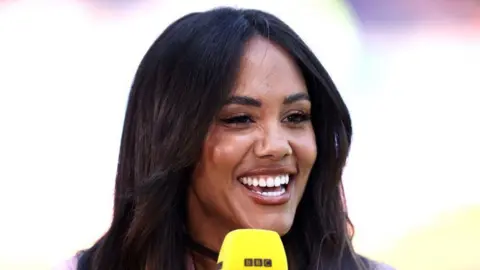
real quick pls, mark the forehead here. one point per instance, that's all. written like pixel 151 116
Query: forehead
pixel 267 69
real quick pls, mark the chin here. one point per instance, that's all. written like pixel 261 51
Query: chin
pixel 281 230
pixel 282 227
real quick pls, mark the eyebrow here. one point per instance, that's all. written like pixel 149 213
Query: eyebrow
pixel 249 101
pixel 296 97
pixel 244 100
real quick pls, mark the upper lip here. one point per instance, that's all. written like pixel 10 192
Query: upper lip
pixel 278 170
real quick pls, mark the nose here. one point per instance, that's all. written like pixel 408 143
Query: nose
pixel 272 144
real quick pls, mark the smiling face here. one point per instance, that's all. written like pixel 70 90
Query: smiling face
pixel 258 153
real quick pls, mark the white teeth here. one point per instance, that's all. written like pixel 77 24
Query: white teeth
pixel 262 182
pixel 270 181
pixel 278 181
pixel 271 193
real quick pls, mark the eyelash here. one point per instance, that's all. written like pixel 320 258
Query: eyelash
pixel 298 118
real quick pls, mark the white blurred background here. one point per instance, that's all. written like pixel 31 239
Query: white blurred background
pixel 412 181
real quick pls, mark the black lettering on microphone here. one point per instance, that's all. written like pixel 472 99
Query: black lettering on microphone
pixel 248 262
pixel 257 262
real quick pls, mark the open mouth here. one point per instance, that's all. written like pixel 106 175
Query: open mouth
pixel 268 186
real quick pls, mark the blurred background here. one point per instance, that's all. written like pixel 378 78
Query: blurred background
pixel 408 70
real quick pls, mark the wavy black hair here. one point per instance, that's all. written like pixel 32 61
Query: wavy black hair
pixel 181 84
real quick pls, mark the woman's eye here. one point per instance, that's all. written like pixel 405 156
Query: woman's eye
pixel 236 120
pixel 297 118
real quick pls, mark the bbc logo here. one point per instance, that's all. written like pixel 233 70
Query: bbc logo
pixel 256 262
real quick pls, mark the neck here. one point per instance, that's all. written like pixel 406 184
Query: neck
pixel 202 250
pixel 205 231
pixel 200 262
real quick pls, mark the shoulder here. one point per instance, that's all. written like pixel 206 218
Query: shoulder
pixel 381 266
pixel 373 265
pixel 70 264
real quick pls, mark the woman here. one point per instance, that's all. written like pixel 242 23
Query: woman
pixel 232 122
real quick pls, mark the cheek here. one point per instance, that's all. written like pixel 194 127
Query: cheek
pixel 306 149
pixel 222 153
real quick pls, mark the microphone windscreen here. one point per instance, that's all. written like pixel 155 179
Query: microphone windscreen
pixel 252 249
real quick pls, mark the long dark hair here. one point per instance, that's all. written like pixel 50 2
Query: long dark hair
pixel 181 84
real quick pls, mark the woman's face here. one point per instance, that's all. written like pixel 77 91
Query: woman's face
pixel 258 153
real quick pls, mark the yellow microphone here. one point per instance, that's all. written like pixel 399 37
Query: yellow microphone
pixel 251 249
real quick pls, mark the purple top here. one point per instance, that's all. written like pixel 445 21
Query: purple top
pixel 67 265
pixel 72 265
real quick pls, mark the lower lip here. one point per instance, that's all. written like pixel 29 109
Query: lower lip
pixel 267 200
